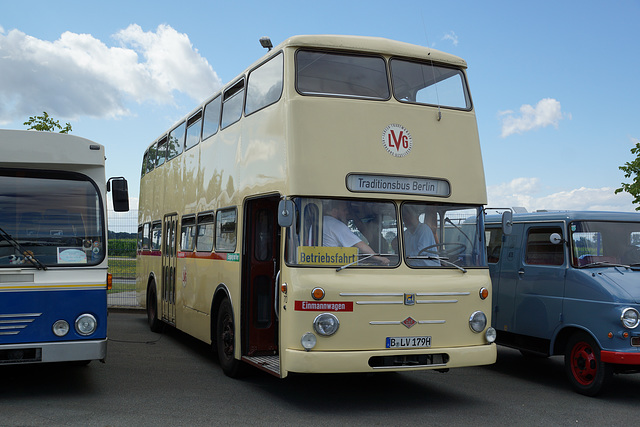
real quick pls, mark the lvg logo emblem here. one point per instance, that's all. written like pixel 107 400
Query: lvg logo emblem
pixel 397 140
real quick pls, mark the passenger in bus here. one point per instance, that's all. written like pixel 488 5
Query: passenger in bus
pixel 417 237
pixel 335 231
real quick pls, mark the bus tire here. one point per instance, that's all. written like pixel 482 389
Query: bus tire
pixel 586 371
pixel 225 341
pixel 152 309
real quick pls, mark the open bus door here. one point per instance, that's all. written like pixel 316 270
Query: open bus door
pixel 261 264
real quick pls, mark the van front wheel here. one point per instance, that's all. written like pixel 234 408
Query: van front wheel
pixel 587 372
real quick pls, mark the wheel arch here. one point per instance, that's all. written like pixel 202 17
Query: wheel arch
pixel 563 336
pixel 221 292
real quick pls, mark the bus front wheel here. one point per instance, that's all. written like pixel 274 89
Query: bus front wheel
pixel 587 372
pixel 225 341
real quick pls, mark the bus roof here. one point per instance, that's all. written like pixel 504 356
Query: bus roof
pixel 30 148
pixel 567 216
pixel 373 45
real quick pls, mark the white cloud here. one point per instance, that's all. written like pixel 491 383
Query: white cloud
pixel 547 112
pixel 451 36
pixel 526 192
pixel 79 75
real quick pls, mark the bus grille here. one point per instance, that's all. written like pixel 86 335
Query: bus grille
pixel 409 361
pixel 13 324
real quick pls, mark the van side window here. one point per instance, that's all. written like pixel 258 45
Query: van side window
pixel 493 238
pixel 540 250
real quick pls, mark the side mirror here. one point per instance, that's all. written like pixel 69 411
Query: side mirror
pixel 556 239
pixel 507 222
pixel 120 194
pixel 286 209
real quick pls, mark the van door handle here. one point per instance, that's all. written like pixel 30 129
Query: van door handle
pixel 521 272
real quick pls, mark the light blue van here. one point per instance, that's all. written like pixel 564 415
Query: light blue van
pixel 568 283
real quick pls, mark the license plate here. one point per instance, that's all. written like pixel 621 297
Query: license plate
pixel 408 342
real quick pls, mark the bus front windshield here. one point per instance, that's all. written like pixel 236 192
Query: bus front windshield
pixel 49 219
pixel 602 243
pixel 345 233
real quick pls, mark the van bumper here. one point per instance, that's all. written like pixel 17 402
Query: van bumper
pixel 620 357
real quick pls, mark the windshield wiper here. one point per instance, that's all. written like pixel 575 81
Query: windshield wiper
pixel 604 264
pixel 441 259
pixel 364 256
pixel 28 255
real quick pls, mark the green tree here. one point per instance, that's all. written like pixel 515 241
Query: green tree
pixel 632 170
pixel 46 123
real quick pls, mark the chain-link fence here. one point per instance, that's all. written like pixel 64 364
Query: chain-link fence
pixel 122 258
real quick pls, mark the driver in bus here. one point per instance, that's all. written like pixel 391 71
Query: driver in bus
pixel 417 237
pixel 335 231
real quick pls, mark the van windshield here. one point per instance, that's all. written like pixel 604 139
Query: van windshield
pixel 598 243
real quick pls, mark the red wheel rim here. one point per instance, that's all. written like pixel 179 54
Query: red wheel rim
pixel 584 364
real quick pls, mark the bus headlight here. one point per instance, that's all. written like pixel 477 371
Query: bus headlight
pixel 326 324
pixel 60 328
pixel 490 335
pixel 308 341
pixel 86 324
pixel 630 318
pixel 477 321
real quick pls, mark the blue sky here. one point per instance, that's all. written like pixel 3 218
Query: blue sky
pixel 554 83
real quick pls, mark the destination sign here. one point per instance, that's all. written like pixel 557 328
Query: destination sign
pixel 398 185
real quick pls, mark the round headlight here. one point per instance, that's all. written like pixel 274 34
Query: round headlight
pixel 60 328
pixel 477 321
pixel 86 324
pixel 490 335
pixel 326 324
pixel 630 318
pixel 308 341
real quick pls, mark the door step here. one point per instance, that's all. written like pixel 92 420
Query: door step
pixel 270 364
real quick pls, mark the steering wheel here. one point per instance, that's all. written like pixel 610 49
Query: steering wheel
pixel 444 249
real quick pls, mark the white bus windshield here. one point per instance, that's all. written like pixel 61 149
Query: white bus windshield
pixel 53 217
pixel 357 233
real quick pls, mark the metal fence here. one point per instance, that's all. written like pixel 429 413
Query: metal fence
pixel 122 258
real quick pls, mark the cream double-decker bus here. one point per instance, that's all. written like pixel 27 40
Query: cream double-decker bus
pixel 322 213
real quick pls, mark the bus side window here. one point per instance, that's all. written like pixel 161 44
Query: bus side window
pixel 211 118
pixel 162 151
pixel 188 234
pixel 194 126
pixel 176 141
pixel 232 104
pixel 204 232
pixel 156 236
pixel 151 160
pixel 264 85
pixel 145 237
pixel 145 159
pixel 226 220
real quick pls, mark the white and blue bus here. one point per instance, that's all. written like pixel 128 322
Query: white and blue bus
pixel 53 247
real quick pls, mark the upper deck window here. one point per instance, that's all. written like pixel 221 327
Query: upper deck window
pixel 176 141
pixel 338 74
pixel 426 83
pixel 264 85
pixel 211 118
pixel 194 127
pixel 232 104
